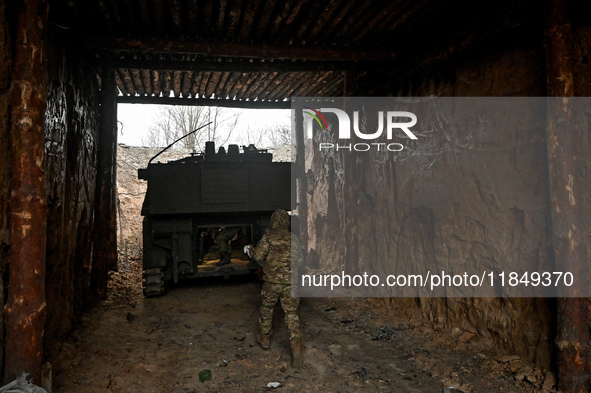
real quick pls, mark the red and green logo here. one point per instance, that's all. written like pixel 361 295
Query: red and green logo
pixel 317 115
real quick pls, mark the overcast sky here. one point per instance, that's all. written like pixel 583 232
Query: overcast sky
pixel 135 119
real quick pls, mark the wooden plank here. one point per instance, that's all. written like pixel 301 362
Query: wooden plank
pixel 241 92
pixel 325 18
pixel 234 15
pixel 127 80
pixel 319 82
pixel 196 83
pixel 219 29
pixel 166 83
pixel 232 80
pixel 235 90
pixel 203 85
pixel 138 85
pixel 264 18
pixel 221 84
pixel 147 81
pixel 263 83
pixel 248 19
pixel 212 84
pixel 253 84
pixel 274 85
pixel 120 84
pixel 176 83
pixel 187 82
pixel 156 82
pixel 280 89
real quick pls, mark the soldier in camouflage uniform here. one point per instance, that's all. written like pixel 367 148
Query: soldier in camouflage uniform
pixel 222 239
pixel 274 253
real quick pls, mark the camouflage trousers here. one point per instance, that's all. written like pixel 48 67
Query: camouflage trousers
pixel 270 294
pixel 223 238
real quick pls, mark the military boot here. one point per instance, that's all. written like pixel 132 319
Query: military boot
pixel 224 260
pixel 264 339
pixel 296 352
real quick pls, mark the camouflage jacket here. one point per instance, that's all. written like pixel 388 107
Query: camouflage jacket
pixel 275 250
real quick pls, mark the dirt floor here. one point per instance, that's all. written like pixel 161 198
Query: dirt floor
pixel 132 344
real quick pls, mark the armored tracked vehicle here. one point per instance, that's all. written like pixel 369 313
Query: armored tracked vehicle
pixel 190 200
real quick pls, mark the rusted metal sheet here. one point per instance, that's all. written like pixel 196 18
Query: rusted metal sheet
pixel 104 254
pixel 26 307
pixel 572 338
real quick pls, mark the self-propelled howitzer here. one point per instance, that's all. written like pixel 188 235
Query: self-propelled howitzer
pixel 192 200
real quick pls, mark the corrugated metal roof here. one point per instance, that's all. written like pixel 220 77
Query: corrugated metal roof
pixel 268 50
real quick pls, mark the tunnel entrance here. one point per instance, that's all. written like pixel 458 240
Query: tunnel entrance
pixel 65 66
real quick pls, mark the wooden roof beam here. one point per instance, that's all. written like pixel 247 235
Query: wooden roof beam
pixel 246 66
pixel 203 102
pixel 233 49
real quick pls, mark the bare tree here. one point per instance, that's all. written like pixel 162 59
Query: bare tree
pixel 257 137
pixel 172 122
pixel 279 135
pixel 270 136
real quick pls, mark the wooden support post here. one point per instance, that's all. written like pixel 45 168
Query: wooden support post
pixel 301 183
pixel 26 306
pixel 113 254
pixel 104 253
pixel 5 79
pixel 351 190
pixel 572 338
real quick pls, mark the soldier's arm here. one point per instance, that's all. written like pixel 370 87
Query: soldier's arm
pixel 259 253
pixel 297 255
